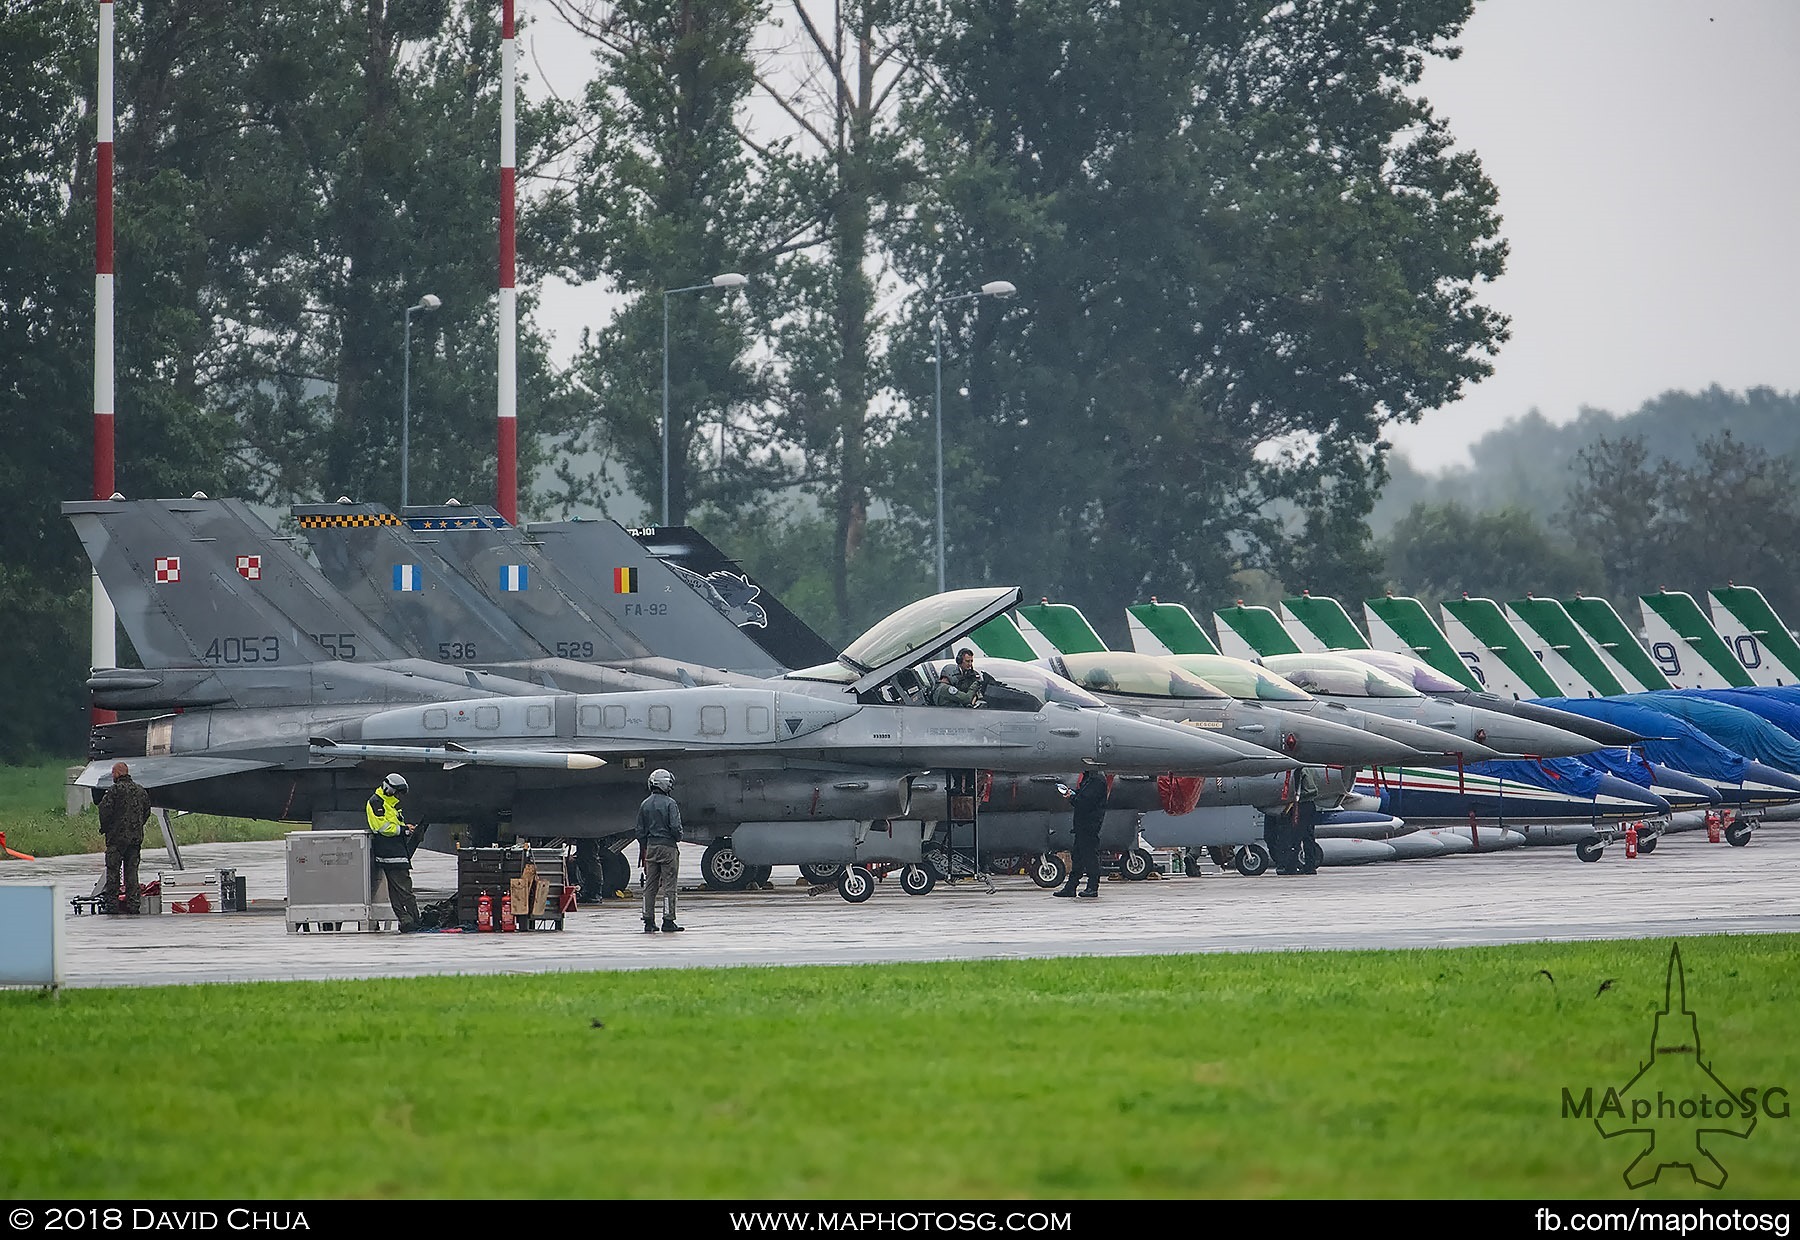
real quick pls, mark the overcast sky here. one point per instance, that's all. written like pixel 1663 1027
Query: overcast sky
pixel 1646 153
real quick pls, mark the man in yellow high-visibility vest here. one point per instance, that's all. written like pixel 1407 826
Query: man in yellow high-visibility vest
pixel 390 853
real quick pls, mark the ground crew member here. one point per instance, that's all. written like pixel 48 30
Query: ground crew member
pixel 1298 820
pixel 1089 801
pixel 390 854
pixel 123 812
pixel 659 850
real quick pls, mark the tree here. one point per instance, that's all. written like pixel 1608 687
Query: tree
pixel 1244 247
pixel 1438 551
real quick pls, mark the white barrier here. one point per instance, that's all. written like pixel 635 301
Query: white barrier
pixel 31 929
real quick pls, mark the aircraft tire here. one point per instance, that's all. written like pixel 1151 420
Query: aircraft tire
pixel 1250 861
pixel 821 873
pixel 916 880
pixel 856 884
pixel 1737 835
pixel 1647 845
pixel 1050 871
pixel 1135 864
pixel 615 872
pixel 722 870
pixel 1590 850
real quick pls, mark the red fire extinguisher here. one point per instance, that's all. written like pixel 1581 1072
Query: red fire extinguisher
pixel 1631 830
pixel 1714 828
pixel 507 922
pixel 484 913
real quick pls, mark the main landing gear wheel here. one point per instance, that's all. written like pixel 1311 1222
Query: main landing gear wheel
pixel 1590 850
pixel 1250 860
pixel 916 880
pixel 856 884
pixel 1050 871
pixel 615 872
pixel 821 874
pixel 723 869
pixel 1737 835
pixel 1135 864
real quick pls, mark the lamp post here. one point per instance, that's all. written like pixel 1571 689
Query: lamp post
pixel 993 288
pixel 427 302
pixel 730 279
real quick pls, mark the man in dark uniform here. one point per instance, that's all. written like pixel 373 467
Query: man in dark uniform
pixel 659 850
pixel 393 860
pixel 123 812
pixel 1089 801
pixel 1297 823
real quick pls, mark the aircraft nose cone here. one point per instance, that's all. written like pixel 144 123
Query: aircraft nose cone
pixel 1609 735
pixel 1679 788
pixel 1153 746
pixel 1511 735
pixel 1319 742
pixel 1616 789
pixel 1771 782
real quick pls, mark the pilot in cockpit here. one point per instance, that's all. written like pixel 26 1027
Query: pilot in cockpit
pixel 961 687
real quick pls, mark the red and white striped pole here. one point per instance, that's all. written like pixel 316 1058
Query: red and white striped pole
pixel 104 651
pixel 507 501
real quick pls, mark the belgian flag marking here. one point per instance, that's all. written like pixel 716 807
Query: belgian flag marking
pixel 625 581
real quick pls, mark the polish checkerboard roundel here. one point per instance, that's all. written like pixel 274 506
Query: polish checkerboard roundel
pixel 250 567
pixel 168 569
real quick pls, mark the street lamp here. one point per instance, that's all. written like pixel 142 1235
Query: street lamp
pixel 730 279
pixel 427 302
pixel 993 288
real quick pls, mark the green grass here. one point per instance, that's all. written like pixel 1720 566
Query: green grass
pixel 1419 1073
pixel 33 819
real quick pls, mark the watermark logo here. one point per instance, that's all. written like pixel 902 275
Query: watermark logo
pixel 1676 1106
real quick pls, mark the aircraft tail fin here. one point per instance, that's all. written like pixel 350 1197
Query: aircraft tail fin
pixel 1320 625
pixel 1251 632
pixel 718 618
pixel 1686 647
pixel 1617 646
pixel 389 568
pixel 1760 639
pixel 1507 666
pixel 1166 628
pixel 1062 626
pixel 1403 626
pixel 1562 647
pixel 187 600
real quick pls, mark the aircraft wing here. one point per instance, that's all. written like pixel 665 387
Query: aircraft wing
pixel 164 772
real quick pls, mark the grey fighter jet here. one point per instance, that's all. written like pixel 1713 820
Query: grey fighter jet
pixel 828 754
pixel 1308 729
pixel 1337 677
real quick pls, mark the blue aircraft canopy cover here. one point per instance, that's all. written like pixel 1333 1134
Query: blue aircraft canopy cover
pixel 1732 726
pixel 1626 764
pixel 1780 710
pixel 1562 775
pixel 1668 740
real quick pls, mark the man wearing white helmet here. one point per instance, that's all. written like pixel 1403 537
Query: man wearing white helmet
pixel 659 850
pixel 390 852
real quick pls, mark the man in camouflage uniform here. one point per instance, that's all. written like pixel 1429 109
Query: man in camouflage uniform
pixel 123 812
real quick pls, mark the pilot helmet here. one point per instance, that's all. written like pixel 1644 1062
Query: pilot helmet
pixel 395 782
pixel 661 780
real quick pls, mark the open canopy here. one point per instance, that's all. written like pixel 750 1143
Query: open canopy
pixel 921 629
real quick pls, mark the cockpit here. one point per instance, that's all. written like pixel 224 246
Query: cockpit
pixel 1403 667
pixel 1136 675
pixel 1333 675
pixel 1241 678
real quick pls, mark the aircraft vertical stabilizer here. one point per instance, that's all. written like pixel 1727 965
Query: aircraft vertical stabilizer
pixel 1562 648
pixel 389 569
pixel 1320 625
pixel 1506 666
pixel 1685 646
pixel 1759 638
pixel 1000 638
pixel 1617 646
pixel 1403 626
pixel 1166 628
pixel 1251 632
pixel 1062 626
pixel 183 602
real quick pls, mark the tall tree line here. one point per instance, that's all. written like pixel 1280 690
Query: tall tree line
pixel 1244 246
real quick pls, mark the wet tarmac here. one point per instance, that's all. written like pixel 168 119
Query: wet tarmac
pixel 1685 887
